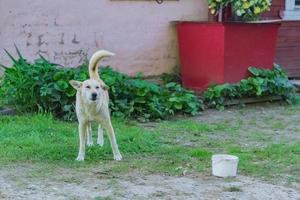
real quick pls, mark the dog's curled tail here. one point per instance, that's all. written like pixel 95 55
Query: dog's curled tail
pixel 95 61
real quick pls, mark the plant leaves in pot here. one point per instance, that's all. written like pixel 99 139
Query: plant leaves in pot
pixel 241 10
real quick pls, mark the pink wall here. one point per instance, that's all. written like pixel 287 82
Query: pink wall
pixel 139 32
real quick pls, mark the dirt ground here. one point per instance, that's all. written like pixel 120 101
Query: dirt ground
pixel 17 182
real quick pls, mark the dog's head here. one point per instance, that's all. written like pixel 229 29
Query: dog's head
pixel 91 90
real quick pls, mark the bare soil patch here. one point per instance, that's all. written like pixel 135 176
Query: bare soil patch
pixel 18 183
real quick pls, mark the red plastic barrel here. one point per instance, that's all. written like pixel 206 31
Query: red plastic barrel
pixel 215 53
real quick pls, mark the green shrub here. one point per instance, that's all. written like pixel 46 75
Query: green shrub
pixel 138 98
pixel 216 95
pixel 43 86
pixel 40 86
pixel 263 82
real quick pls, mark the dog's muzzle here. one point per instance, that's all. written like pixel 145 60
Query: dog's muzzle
pixel 94 96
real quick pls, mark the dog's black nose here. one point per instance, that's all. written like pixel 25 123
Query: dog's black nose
pixel 94 96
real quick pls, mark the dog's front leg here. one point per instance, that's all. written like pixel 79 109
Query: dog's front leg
pixel 113 141
pixel 89 135
pixel 82 140
pixel 100 139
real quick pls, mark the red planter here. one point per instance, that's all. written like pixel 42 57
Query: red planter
pixel 222 52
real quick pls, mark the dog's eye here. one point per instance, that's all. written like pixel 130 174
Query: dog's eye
pixel 88 87
pixel 97 87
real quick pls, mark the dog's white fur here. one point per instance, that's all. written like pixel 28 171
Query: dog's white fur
pixel 92 106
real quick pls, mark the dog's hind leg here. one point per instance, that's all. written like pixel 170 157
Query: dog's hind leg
pixel 100 140
pixel 89 141
pixel 82 140
pixel 113 141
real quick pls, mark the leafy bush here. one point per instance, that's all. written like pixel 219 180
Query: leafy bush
pixel 43 86
pixel 215 96
pixel 262 83
pixel 40 86
pixel 134 97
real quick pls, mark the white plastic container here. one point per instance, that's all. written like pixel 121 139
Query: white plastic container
pixel 224 165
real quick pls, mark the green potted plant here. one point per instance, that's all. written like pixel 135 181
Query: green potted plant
pixel 221 51
pixel 241 10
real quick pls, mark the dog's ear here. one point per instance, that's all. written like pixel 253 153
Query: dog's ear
pixel 76 84
pixel 105 87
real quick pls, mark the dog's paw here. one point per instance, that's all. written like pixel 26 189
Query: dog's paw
pixel 118 157
pixel 100 143
pixel 80 158
pixel 89 144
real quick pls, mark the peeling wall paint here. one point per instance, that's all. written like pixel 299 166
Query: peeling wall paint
pixel 66 32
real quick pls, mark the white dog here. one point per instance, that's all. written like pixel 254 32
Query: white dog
pixel 92 106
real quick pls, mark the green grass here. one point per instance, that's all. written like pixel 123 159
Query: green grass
pixel 44 139
pixel 170 147
pixel 233 189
